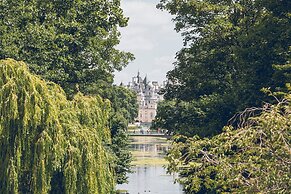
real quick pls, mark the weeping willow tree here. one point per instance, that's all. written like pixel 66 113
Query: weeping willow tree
pixel 48 143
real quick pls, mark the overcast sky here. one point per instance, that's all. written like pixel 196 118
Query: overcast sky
pixel 151 37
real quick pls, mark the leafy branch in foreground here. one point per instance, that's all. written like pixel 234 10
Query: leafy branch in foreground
pixel 253 158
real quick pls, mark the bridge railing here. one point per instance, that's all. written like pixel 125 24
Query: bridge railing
pixel 145 133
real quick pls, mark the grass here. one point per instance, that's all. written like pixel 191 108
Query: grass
pixel 149 161
pixel 119 191
pixel 147 158
pixel 132 127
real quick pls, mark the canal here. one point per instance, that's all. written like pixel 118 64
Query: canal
pixel 149 176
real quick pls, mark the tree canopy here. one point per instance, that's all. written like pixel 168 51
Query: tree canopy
pixel 235 53
pixel 232 50
pixel 73 43
pixel 68 42
pixel 50 144
pixel 255 158
pixel 123 111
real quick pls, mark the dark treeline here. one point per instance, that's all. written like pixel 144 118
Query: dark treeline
pixel 235 54
pixel 233 49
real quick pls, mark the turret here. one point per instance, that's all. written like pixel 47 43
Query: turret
pixel 145 81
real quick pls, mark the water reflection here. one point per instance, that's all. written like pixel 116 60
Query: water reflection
pixel 151 179
pixel 148 147
pixel 149 175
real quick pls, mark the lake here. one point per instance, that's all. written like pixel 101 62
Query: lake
pixel 149 174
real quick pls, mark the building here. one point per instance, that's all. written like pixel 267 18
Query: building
pixel 147 97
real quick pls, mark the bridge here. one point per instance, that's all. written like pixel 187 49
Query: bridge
pixel 149 134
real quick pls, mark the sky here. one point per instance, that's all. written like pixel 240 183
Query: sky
pixel 151 37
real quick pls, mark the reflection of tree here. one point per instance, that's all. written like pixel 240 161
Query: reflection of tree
pixel 149 147
pixel 162 148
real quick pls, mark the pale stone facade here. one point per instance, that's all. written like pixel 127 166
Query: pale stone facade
pixel 147 97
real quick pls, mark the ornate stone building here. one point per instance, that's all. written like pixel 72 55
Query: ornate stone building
pixel 147 97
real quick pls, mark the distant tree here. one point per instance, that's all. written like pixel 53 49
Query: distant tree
pixel 230 51
pixel 123 111
pixel 68 42
pixel 201 117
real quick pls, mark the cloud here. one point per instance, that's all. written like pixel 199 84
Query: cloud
pixel 144 13
pixel 162 65
pixel 137 43
pixel 164 61
pixel 145 26
pixel 150 36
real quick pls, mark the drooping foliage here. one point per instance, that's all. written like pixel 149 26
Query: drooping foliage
pixel 231 49
pixel 255 158
pixel 123 111
pixel 48 143
pixel 69 42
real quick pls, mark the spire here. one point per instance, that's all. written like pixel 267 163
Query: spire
pixel 138 77
pixel 145 81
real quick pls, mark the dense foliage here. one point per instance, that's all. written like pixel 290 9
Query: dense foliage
pixel 124 104
pixel 232 50
pixel 123 111
pixel 48 143
pixel 255 158
pixel 72 43
pixel 69 42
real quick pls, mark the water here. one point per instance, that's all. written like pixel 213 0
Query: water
pixel 149 175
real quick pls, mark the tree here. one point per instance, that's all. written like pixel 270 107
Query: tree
pixel 68 42
pixel 255 158
pixel 201 117
pixel 233 49
pixel 71 43
pixel 50 144
pixel 123 111
pixel 230 51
